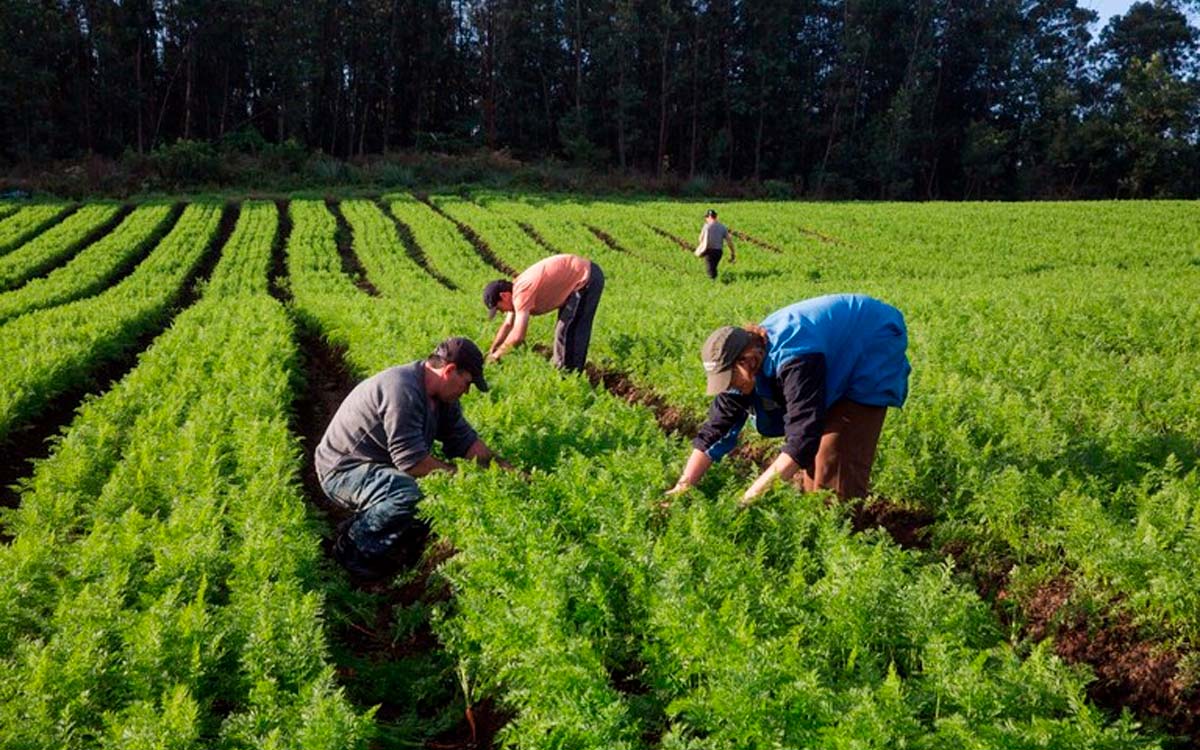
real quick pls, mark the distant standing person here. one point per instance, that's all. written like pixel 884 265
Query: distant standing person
pixel 713 237
pixel 568 284
pixel 821 373
pixel 378 445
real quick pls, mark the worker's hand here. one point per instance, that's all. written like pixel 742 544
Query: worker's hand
pixel 699 252
pixel 493 358
pixel 678 489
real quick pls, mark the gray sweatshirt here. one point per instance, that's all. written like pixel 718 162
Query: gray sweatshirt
pixel 389 419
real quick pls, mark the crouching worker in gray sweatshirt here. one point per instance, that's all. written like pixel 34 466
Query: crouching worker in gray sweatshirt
pixel 378 444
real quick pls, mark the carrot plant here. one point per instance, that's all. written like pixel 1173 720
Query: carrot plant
pixel 160 591
pixel 93 268
pixel 26 222
pixel 52 246
pixel 48 351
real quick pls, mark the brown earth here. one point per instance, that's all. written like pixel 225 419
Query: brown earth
pixel 755 241
pixel 345 245
pixel 471 236
pixel 1132 671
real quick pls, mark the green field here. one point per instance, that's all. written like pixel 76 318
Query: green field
pixel 1023 577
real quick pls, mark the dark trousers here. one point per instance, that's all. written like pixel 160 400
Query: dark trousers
pixel 712 257
pixel 847 449
pixel 384 503
pixel 573 332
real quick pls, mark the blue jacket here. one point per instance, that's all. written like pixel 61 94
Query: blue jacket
pixel 819 351
pixel 863 341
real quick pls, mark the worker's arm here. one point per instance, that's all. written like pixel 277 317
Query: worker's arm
pixel 501 334
pixel 697 464
pixel 427 465
pixel 783 467
pixel 516 336
pixel 482 455
pixel 716 437
pixel 803 381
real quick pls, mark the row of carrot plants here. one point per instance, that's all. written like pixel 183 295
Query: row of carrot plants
pixel 159 589
pixel 94 268
pixel 47 352
pixel 600 624
pixel 1053 390
pixel 50 247
pixel 27 222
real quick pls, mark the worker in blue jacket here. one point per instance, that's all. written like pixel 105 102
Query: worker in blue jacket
pixel 820 373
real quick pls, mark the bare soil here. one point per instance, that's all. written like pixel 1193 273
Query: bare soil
pixel 755 241
pixel 1132 671
pixel 473 237
pixel 345 245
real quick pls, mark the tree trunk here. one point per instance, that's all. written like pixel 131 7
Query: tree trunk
pixel 837 101
pixel 758 135
pixel 224 102
pixel 578 63
pixel 662 102
pixel 695 100
pixel 489 78
pixel 621 110
pixel 187 97
pixel 726 74
pixel 391 78
pixel 137 78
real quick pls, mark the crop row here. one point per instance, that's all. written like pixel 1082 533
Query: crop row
pixel 600 626
pixel 520 250
pixel 47 352
pixel 442 243
pixel 1061 400
pixel 92 269
pixel 52 246
pixel 27 222
pixel 158 591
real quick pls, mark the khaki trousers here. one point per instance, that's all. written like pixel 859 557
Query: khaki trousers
pixel 847 451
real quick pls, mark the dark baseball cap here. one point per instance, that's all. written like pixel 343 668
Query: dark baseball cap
pixel 719 353
pixel 465 356
pixel 711 212
pixel 491 295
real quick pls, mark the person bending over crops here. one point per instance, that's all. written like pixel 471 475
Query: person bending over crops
pixel 567 283
pixel 821 373
pixel 378 444
pixel 713 237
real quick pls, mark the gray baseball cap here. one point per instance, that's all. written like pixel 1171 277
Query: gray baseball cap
pixel 719 353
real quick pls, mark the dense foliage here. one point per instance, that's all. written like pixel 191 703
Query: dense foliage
pixel 161 583
pixel 158 589
pixel 891 99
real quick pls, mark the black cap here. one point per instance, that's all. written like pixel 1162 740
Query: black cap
pixel 465 356
pixel 491 295
pixel 710 212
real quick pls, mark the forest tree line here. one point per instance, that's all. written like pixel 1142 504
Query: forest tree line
pixel 893 99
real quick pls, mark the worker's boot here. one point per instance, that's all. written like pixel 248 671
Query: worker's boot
pixel 357 564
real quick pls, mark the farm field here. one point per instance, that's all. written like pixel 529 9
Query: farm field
pixel 1023 576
